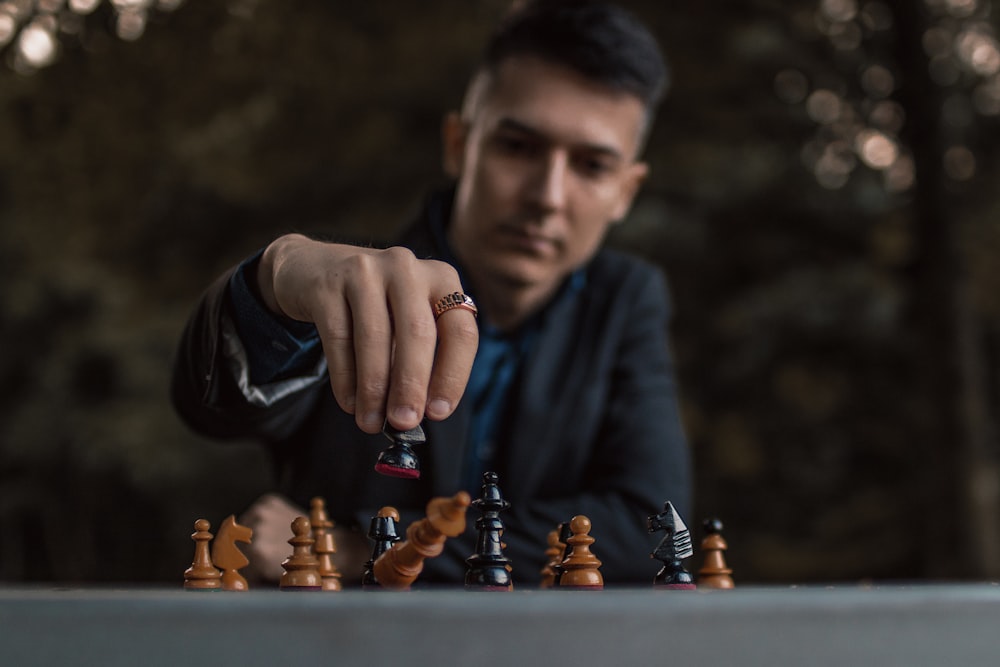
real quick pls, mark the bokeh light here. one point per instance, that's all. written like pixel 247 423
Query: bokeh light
pixel 878 81
pixel 876 16
pixel 944 70
pixel 901 176
pixel 36 45
pixel 131 24
pixel 937 41
pixel 791 86
pixel 877 150
pixel 978 50
pixel 834 166
pixel 839 10
pixel 8 27
pixel 961 8
pixel 986 97
pixel 845 36
pixel 888 116
pixel 83 6
pixel 959 163
pixel 824 106
pixel 33 25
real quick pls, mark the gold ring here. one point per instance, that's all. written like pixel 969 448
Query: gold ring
pixel 455 300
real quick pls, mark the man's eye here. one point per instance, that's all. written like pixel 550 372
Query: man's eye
pixel 515 145
pixel 594 167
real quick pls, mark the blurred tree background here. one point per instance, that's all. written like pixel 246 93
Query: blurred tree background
pixel 823 198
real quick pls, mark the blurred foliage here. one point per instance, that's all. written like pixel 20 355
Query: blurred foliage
pixel 835 328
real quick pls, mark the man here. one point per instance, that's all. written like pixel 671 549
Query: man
pixel 565 380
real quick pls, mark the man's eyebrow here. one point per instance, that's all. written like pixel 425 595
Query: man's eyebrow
pixel 514 125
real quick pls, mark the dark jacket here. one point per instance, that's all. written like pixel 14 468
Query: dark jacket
pixel 593 428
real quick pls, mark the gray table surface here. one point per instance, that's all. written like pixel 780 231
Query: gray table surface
pixel 919 624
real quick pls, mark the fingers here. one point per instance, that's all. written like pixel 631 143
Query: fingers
pixel 355 328
pixel 337 337
pixel 427 362
pixel 458 340
pixel 372 340
pixel 415 336
pixel 387 356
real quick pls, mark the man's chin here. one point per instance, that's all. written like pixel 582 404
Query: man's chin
pixel 515 270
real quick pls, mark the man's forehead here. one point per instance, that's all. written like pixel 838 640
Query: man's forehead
pixel 556 101
pixel 515 125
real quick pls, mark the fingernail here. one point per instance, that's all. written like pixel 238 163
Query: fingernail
pixel 372 419
pixel 405 415
pixel 439 408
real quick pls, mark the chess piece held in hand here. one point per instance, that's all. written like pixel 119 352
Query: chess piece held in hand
pixel 398 459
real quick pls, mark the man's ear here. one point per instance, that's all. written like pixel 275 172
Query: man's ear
pixel 453 134
pixel 634 176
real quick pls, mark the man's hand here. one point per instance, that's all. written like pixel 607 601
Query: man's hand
pixel 271 518
pixel 388 357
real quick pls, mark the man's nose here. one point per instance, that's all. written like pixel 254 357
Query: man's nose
pixel 550 186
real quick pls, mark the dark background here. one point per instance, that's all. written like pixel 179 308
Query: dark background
pixel 836 324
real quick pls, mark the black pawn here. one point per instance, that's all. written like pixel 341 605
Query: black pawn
pixel 672 549
pixel 565 532
pixel 382 533
pixel 489 569
pixel 398 459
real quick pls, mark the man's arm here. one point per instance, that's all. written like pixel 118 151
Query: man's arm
pixel 388 356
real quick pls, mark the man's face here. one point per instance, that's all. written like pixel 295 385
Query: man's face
pixel 545 163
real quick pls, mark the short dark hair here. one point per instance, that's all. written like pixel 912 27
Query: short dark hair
pixel 603 42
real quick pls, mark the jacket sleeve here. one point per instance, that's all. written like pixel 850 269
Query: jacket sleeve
pixel 205 391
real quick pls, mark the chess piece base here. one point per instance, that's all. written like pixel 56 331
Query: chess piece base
pixel 398 460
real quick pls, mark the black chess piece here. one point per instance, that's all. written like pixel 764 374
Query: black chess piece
pixel 672 549
pixel 382 533
pixel 489 568
pixel 398 459
pixel 565 532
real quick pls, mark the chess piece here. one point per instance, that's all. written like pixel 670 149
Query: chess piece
pixel 672 549
pixel 301 568
pixel 580 568
pixel 202 575
pixel 226 555
pixel 489 568
pixel 714 573
pixel 382 533
pixel 553 557
pixel 564 533
pixel 324 546
pixel 398 567
pixel 398 459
